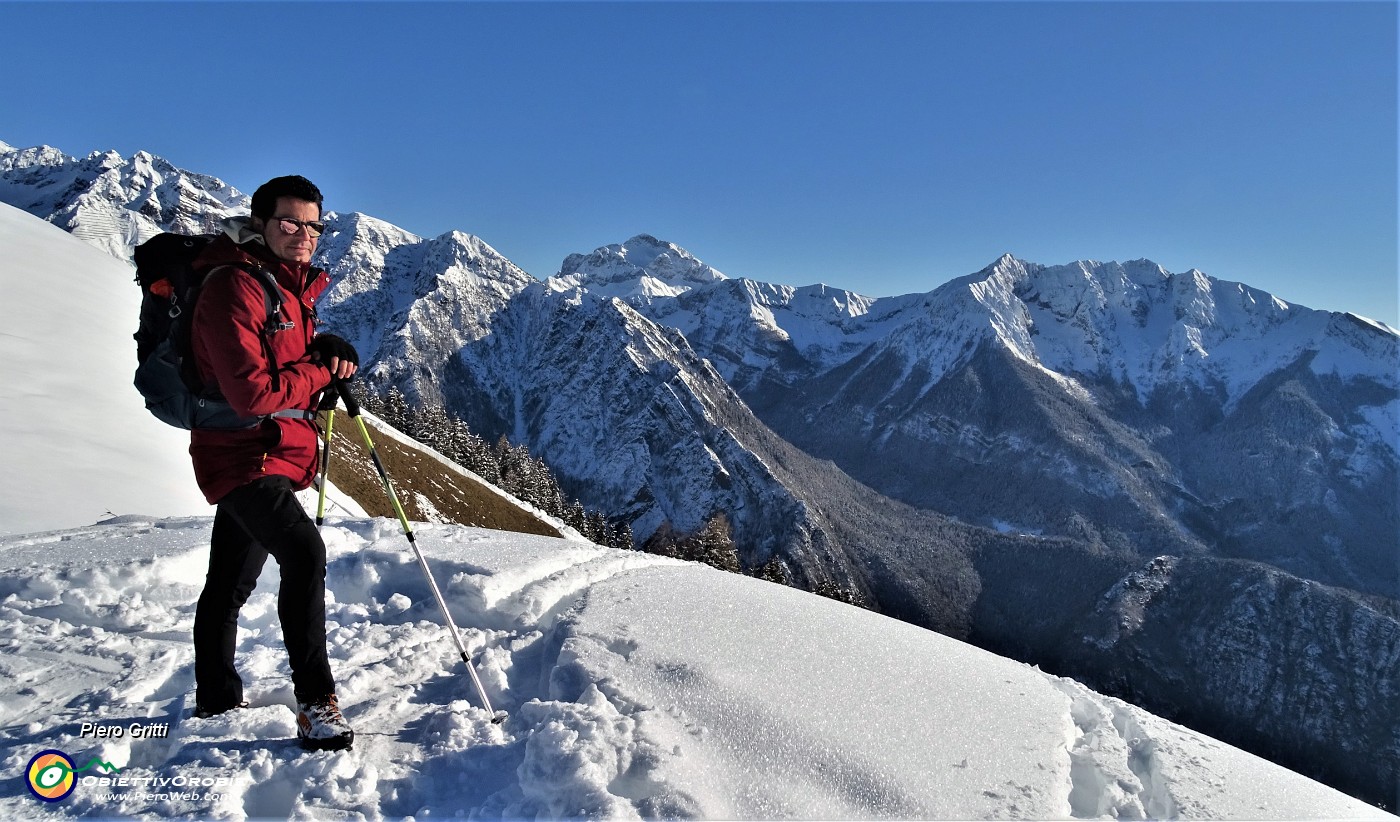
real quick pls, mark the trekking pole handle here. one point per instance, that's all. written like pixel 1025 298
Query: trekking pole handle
pixel 351 405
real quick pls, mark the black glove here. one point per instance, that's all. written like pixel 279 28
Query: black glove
pixel 329 398
pixel 325 346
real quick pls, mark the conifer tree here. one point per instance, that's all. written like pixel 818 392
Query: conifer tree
pixel 373 403
pixel 395 410
pixel 774 571
pixel 509 466
pixel 431 427
pixel 620 536
pixel 597 528
pixel 714 545
pixel 575 517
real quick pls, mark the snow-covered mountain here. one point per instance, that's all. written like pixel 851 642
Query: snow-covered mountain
pixel 751 331
pixel 1111 388
pixel 114 202
pixel 403 300
pixel 1144 411
pixel 1135 456
pixel 617 402
pixel 639 270
pixel 1173 412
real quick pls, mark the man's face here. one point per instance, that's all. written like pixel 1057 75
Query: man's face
pixel 295 248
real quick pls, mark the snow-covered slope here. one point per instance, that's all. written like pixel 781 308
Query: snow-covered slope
pixel 637 687
pixel 78 442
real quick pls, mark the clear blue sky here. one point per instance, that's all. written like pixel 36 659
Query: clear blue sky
pixel 884 148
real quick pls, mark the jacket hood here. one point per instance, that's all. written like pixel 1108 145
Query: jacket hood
pixel 240 230
pixel 238 242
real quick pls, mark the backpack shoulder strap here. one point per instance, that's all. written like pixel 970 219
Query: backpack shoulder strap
pixel 272 299
pixel 272 292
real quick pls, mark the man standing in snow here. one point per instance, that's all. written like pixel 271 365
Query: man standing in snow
pixel 278 369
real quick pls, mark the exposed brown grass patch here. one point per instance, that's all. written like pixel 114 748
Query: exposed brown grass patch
pixel 428 490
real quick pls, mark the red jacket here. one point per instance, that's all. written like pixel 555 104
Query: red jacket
pixel 231 352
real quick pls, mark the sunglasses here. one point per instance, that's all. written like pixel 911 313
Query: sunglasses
pixel 289 226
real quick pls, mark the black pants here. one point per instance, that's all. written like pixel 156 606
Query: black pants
pixel 261 518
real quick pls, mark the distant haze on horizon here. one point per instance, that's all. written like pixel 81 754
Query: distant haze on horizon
pixel 880 148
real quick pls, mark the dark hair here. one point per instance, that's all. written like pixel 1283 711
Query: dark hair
pixel 300 188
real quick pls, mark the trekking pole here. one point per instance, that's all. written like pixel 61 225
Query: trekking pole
pixel 353 409
pixel 325 469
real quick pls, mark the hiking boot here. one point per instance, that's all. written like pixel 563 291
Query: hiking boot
pixel 204 711
pixel 321 726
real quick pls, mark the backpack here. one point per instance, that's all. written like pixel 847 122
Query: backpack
pixel 165 371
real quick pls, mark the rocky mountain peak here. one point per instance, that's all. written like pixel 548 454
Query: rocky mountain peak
pixel 638 271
